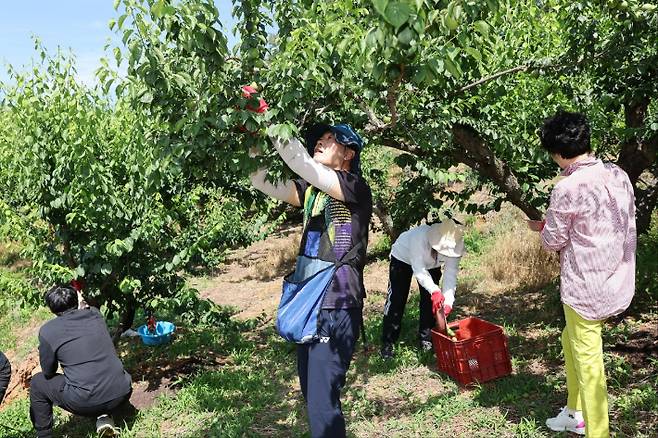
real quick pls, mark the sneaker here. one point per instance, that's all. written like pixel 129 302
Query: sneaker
pixel 105 426
pixel 567 420
pixel 426 345
pixel 386 352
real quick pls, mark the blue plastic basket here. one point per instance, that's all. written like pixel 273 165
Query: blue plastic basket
pixel 163 331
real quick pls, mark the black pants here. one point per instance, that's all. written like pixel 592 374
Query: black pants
pixel 5 375
pixel 44 393
pixel 322 366
pixel 399 282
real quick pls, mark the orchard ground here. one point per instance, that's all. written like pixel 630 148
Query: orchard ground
pixel 239 379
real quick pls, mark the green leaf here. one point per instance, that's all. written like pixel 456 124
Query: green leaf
pixel 158 9
pixel 492 5
pixel 450 22
pixel 406 36
pixel 380 6
pixel 452 68
pixel 146 98
pixel 474 53
pixel 106 269
pixel 421 75
pixel 117 55
pixel 398 13
pixel 482 27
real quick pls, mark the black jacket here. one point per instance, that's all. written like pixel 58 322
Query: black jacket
pixel 5 375
pixel 78 339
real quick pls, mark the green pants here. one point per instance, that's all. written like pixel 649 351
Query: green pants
pixel 583 360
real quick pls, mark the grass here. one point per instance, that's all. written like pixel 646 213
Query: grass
pixel 238 379
pixel 9 253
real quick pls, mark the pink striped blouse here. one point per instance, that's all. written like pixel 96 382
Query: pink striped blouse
pixel 591 222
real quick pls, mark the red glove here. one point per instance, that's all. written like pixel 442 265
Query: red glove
pixel 247 91
pixel 78 285
pixel 437 301
pixel 447 309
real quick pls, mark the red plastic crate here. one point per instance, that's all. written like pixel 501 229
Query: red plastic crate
pixel 480 353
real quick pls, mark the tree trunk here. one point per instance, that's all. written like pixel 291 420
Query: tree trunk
pixel 635 157
pixel 645 202
pixel 637 154
pixel 126 320
pixel 381 210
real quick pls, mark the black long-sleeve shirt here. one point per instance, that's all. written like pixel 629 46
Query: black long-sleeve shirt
pixel 5 375
pixel 78 340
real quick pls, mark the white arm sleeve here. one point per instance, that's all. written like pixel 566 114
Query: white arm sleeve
pixel 450 270
pixel 422 275
pixel 297 158
pixel 284 191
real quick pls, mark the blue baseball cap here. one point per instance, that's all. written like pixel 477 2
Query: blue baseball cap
pixel 343 133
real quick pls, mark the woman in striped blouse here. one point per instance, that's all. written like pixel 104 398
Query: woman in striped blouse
pixel 590 221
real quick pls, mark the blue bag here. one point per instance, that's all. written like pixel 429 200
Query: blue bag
pixel 302 296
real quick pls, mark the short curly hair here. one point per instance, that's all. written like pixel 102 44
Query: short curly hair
pixel 566 134
pixel 61 298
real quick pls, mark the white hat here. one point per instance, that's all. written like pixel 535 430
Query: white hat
pixel 447 238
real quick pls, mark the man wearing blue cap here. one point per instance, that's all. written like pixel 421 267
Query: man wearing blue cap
pixel 337 205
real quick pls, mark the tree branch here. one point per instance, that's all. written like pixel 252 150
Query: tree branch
pixel 482 159
pixel 375 124
pixel 518 68
pixel 403 146
pixel 392 98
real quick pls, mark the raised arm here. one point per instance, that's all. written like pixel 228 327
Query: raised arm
pixel 284 191
pixel 323 178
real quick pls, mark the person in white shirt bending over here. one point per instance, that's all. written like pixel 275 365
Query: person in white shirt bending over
pixel 420 252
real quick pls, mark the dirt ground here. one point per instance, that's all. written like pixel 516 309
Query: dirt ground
pixel 250 281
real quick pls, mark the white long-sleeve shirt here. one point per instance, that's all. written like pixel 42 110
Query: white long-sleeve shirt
pixel 413 248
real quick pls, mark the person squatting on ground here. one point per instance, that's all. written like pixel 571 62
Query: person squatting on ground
pixel 590 220
pixel 337 205
pixel 94 382
pixel 420 251
pixel 5 375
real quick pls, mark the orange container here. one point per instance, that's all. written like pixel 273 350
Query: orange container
pixel 479 354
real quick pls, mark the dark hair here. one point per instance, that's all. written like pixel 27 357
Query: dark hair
pixel 566 134
pixel 61 298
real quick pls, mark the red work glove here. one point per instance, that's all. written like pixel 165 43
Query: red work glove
pixel 78 285
pixel 447 309
pixel 437 301
pixel 247 91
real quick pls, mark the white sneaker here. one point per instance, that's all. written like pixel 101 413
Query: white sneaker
pixel 567 420
pixel 105 426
